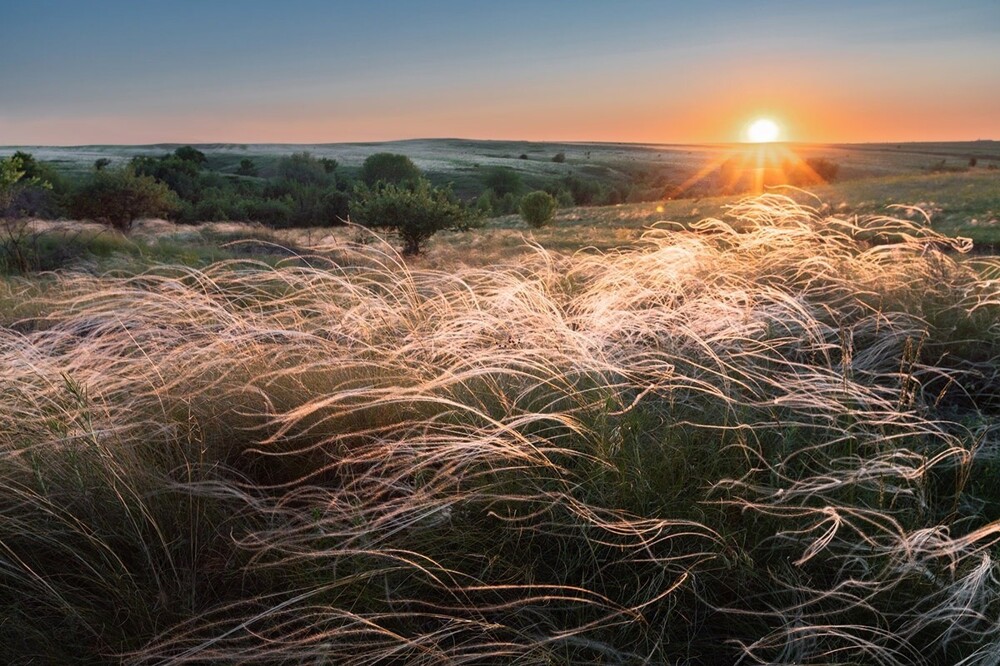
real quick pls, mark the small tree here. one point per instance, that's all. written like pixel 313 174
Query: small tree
pixel 503 180
pixel 305 169
pixel 389 168
pixel 415 212
pixel 246 168
pixel 190 154
pixel 11 173
pixel 18 173
pixel 119 197
pixel 538 208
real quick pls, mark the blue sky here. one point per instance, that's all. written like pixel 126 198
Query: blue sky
pixel 306 71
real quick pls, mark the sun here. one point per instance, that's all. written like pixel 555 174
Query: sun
pixel 763 130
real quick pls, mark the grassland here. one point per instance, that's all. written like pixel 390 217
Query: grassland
pixel 462 162
pixel 769 437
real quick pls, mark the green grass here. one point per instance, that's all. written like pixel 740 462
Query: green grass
pixel 27 248
pixel 771 440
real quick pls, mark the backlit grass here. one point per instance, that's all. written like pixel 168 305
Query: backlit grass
pixel 770 437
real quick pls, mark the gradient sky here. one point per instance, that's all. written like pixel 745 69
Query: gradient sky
pixel 80 72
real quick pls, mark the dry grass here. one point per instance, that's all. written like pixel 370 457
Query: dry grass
pixel 771 438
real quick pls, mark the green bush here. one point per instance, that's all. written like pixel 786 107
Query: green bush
pixel 305 169
pixel 26 188
pixel 538 208
pixel 311 205
pixel 119 197
pixel 389 168
pixel 247 167
pixel 415 212
pixel 220 208
pixel 584 191
pixel 178 174
pixel 503 180
pixel 189 154
pixel 272 212
pixel 484 203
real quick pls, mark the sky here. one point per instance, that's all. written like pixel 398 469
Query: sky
pixel 76 72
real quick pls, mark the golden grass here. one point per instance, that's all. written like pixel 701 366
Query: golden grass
pixel 769 438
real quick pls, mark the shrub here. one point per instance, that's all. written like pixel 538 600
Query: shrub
pixel 484 203
pixel 189 154
pixel 559 158
pixel 505 205
pixel 180 175
pixel 389 168
pixel 538 208
pixel 811 171
pixel 101 162
pixel 117 198
pixel 272 212
pixel 564 198
pixel 310 205
pixel 247 167
pixel 21 183
pixel 218 207
pixel 584 191
pixel 824 168
pixel 503 180
pixel 304 168
pixel 415 212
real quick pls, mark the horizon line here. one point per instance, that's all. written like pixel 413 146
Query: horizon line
pixel 480 140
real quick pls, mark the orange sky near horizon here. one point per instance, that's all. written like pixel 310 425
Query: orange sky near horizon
pixel 805 121
pixel 878 71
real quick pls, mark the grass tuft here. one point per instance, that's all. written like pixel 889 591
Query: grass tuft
pixel 770 437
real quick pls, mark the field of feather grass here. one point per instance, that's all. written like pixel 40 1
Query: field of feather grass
pixel 766 438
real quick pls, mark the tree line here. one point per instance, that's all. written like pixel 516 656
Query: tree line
pixel 389 192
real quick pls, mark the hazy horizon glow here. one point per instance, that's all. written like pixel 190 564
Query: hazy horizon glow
pixel 649 72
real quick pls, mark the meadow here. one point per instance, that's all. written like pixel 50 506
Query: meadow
pixel 700 431
pixel 463 162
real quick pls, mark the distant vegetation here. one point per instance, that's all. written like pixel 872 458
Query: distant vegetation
pixel 297 188
pixel 388 168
